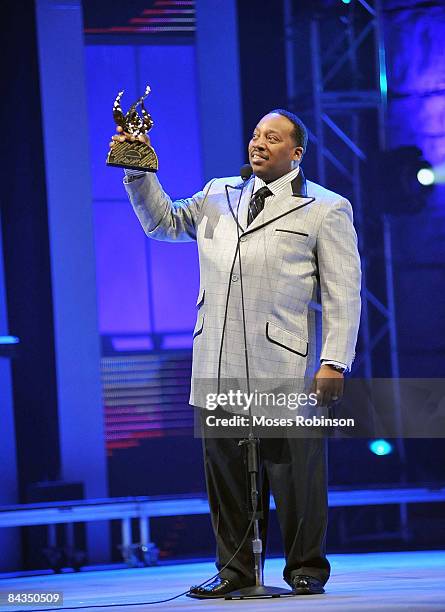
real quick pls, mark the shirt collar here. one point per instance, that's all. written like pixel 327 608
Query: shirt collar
pixel 278 184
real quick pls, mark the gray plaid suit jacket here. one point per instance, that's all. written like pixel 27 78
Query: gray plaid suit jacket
pixel 300 248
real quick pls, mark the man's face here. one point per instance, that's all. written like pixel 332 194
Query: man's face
pixel 272 149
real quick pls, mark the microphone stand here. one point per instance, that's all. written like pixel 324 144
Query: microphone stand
pixel 251 443
pixel 260 590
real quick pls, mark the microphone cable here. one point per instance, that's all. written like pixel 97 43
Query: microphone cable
pixel 244 173
pixel 158 601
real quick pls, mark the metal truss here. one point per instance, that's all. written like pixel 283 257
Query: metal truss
pixel 331 109
pixel 336 116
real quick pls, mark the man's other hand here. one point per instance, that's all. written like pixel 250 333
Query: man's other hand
pixel 328 385
pixel 121 136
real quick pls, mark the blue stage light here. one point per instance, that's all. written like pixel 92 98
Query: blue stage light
pixel 9 340
pixel 380 447
pixel 346 1
pixel 425 176
pixel 404 180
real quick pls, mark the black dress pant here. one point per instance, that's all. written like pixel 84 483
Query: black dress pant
pixel 295 470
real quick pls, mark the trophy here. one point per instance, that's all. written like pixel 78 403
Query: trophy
pixel 133 154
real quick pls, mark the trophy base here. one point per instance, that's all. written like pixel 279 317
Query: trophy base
pixel 134 155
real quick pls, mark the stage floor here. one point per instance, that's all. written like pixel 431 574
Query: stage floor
pixel 387 582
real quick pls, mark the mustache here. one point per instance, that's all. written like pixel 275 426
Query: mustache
pixel 259 153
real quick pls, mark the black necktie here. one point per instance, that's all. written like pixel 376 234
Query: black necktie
pixel 257 203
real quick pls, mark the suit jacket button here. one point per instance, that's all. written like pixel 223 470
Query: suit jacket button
pixel 235 277
pixel 243 239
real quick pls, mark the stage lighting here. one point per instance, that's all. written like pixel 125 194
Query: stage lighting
pixel 380 447
pixel 346 1
pixel 425 176
pixel 9 340
pixel 9 346
pixel 402 181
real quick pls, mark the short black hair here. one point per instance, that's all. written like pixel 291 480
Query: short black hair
pixel 300 131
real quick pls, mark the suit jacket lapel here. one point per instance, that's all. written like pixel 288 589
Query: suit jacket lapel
pixel 282 204
pixel 299 186
pixel 243 209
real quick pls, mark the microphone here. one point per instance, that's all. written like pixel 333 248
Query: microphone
pixel 246 172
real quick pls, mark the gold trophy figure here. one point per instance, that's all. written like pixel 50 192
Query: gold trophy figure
pixel 133 154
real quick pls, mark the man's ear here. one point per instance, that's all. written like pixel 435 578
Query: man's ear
pixel 298 153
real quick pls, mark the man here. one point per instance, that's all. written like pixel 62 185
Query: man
pixel 293 239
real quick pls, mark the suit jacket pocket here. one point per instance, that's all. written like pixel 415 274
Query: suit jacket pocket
pixel 286 339
pixel 291 233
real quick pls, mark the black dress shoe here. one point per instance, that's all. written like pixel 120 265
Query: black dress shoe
pixel 218 588
pixel 306 585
